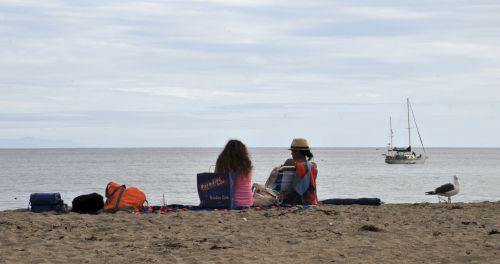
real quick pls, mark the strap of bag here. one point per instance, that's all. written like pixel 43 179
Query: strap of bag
pixel 119 188
pixel 113 192
pixel 122 189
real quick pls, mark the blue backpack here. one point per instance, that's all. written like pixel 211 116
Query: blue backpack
pixel 45 202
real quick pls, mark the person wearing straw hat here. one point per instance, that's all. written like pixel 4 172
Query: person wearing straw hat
pixel 300 150
pixel 301 188
pixel 306 171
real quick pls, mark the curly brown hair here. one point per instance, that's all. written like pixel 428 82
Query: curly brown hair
pixel 234 158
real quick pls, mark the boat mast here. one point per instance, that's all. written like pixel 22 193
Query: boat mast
pixel 391 132
pixel 409 133
pixel 418 131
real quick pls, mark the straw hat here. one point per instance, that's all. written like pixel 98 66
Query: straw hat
pixel 299 144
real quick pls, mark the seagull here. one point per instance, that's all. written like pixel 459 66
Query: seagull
pixel 447 190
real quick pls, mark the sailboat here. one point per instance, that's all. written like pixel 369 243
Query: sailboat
pixel 406 155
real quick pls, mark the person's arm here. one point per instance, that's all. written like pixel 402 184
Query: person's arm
pixel 289 162
pixel 272 178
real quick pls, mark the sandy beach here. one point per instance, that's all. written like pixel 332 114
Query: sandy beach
pixel 390 233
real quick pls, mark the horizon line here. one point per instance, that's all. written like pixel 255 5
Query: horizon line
pixel 212 147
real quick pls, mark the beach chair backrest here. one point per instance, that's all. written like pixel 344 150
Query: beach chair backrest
pixel 285 178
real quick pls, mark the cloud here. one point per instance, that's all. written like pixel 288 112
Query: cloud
pixel 241 65
pixel 195 94
pixel 386 13
pixel 465 49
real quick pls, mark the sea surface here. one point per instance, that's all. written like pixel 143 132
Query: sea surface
pixel 170 173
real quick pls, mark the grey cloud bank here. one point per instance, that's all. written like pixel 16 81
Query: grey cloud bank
pixel 196 73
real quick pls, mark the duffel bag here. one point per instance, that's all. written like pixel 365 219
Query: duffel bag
pixel 45 202
pixel 88 203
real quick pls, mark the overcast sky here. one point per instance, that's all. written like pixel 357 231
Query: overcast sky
pixel 197 73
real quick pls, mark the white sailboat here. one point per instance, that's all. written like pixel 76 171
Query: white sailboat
pixel 396 155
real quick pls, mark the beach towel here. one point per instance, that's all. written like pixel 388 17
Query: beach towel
pixel 304 182
pixel 165 209
pixel 301 184
pixel 351 201
pixel 216 190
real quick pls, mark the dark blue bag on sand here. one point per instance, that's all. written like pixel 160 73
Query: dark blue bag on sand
pixel 45 202
pixel 352 201
pixel 216 190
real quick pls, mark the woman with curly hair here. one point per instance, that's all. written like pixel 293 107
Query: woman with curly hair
pixel 234 158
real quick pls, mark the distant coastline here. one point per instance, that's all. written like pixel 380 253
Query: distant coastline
pixel 33 143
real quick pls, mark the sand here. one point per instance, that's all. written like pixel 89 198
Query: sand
pixel 390 233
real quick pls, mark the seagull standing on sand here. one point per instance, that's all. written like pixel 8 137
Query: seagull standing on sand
pixel 447 190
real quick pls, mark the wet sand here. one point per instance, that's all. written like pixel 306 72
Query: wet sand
pixel 390 233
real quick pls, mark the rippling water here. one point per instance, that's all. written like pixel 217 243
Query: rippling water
pixel 343 172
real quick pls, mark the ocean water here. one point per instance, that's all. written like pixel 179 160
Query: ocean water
pixel 171 173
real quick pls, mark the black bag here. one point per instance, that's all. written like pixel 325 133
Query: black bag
pixel 45 202
pixel 88 203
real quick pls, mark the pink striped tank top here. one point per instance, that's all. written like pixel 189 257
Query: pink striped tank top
pixel 243 195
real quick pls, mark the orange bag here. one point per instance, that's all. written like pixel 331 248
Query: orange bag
pixel 120 197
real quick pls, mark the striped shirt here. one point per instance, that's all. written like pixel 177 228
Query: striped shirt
pixel 243 195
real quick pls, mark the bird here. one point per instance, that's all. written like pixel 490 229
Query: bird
pixel 447 190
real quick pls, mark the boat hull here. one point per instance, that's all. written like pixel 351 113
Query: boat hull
pixel 406 161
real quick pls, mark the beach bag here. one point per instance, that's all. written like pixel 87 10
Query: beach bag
pixel 263 196
pixel 120 197
pixel 216 190
pixel 88 203
pixel 45 202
